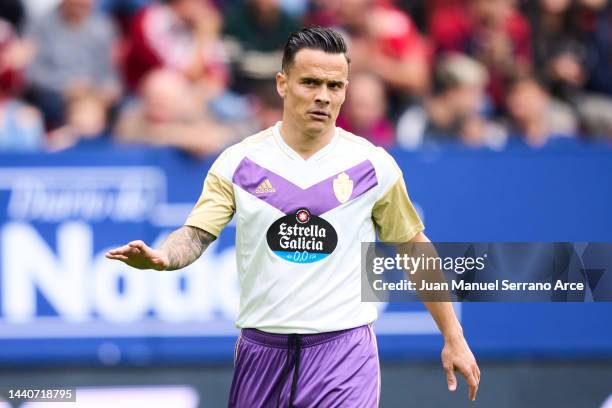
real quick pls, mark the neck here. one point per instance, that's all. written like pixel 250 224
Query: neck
pixel 305 144
pixel 72 20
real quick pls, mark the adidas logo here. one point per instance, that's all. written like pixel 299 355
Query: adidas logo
pixel 265 187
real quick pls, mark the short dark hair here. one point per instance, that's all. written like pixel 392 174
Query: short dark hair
pixel 316 38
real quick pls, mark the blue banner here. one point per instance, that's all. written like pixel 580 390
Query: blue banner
pixel 62 301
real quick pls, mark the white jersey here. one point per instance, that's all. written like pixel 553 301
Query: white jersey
pixel 300 224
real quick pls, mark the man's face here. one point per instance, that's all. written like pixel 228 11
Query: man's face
pixel 526 100
pixel 313 90
pixel 465 100
pixel 77 9
pixel 492 13
pixel 366 102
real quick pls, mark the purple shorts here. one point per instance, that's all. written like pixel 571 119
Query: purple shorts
pixel 326 370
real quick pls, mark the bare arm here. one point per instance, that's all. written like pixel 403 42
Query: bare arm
pixel 184 246
pixel 456 354
pixel 181 248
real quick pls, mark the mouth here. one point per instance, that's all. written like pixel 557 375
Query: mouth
pixel 319 114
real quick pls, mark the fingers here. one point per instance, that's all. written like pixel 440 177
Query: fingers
pixel 451 380
pixel 140 247
pixel 122 258
pixel 137 244
pixel 132 248
pixel 472 386
pixel 119 251
pixel 472 379
pixel 138 255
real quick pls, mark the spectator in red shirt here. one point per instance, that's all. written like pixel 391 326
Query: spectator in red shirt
pixel 492 31
pixel 21 126
pixel 385 41
pixel 15 54
pixel 182 35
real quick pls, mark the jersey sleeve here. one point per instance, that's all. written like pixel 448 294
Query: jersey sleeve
pixel 394 215
pixel 216 205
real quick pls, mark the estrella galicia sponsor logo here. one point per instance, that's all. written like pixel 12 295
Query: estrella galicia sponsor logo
pixel 302 237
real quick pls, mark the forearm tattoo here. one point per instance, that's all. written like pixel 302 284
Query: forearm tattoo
pixel 185 245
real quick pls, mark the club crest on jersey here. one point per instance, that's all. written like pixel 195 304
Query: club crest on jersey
pixel 343 187
pixel 302 216
pixel 301 237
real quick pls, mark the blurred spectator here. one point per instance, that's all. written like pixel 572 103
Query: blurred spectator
pixel 492 31
pixel 595 114
pixel 171 114
pixel 266 105
pixel 13 12
pixel 73 57
pixel 365 109
pixel 256 32
pixel 122 10
pixel 535 117
pixel 557 50
pixel 323 13
pixel 417 10
pixel 36 9
pixel 454 113
pixel 595 106
pixel 182 35
pixel 383 40
pixel 574 51
pixel 21 126
pixel 295 8
pixel 123 7
pixel 16 54
pixel 596 32
pixel 85 123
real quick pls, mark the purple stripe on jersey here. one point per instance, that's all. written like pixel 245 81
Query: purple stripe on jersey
pixel 287 197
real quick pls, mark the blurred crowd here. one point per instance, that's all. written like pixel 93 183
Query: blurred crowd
pixel 199 74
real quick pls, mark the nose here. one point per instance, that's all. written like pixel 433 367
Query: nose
pixel 322 97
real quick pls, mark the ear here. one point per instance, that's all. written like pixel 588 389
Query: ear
pixel 281 84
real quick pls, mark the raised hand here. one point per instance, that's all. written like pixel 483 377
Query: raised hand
pixel 138 255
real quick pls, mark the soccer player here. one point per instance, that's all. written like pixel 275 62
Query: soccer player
pixel 305 194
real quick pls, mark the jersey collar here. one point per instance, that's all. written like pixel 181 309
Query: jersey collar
pixel 295 155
